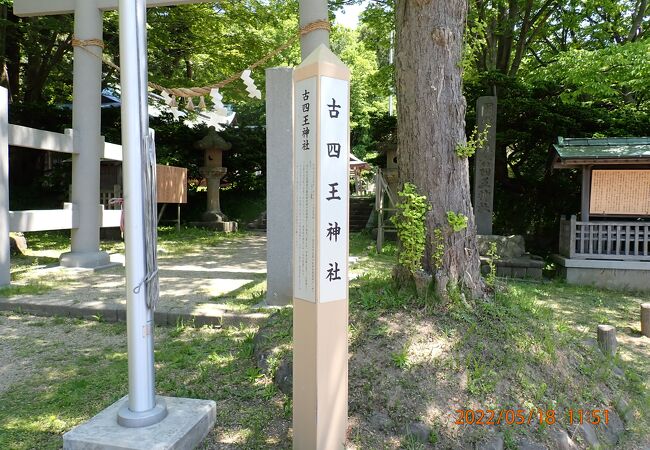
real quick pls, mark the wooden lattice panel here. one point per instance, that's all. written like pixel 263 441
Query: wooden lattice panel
pixel 620 192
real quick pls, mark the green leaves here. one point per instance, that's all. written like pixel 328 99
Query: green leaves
pixel 457 221
pixel 476 141
pixel 411 230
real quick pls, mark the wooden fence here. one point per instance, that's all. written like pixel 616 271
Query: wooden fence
pixel 622 240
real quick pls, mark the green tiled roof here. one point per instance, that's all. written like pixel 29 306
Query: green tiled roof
pixel 607 148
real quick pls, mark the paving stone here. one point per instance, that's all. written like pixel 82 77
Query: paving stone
pixel 588 433
pixel 380 421
pixel 613 428
pixel 527 444
pixel 625 411
pixel 284 376
pixel 493 443
pixel 562 440
pixel 419 431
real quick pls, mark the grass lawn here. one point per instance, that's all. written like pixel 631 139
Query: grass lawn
pixel 412 362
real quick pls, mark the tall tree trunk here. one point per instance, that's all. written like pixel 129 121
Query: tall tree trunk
pixel 430 124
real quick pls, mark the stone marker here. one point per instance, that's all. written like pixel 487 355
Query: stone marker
pixel 320 280
pixel 279 179
pixel 645 319
pixel 607 339
pixel 486 116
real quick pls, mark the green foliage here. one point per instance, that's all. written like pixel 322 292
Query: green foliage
pixel 438 248
pixel 366 101
pixel 457 221
pixel 614 75
pixel 411 231
pixel 529 196
pixel 401 358
pixel 492 255
pixel 475 142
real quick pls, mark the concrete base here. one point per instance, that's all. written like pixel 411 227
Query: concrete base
pixel 188 422
pixel 86 260
pixel 226 227
pixel 609 274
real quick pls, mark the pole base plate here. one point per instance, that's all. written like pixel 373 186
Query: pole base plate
pixel 130 419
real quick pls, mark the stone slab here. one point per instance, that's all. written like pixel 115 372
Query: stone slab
pixel 506 246
pixel 202 316
pixel 188 422
pixel 279 175
pixel 608 274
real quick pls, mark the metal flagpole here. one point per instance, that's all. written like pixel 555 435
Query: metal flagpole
pixel 142 409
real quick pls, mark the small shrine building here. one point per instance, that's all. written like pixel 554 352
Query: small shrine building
pixel 608 243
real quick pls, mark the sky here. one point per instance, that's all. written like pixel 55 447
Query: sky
pixel 349 16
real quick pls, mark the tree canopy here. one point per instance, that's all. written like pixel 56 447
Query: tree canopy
pixel 573 68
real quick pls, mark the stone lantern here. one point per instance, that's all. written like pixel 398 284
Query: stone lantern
pixel 213 147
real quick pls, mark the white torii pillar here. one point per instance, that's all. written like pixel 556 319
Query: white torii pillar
pixel 142 408
pixel 86 119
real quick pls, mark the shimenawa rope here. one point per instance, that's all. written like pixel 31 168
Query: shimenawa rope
pixel 205 90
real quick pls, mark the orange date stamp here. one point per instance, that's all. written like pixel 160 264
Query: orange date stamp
pixel 529 416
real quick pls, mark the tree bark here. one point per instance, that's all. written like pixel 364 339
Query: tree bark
pixel 645 319
pixel 430 124
pixel 606 335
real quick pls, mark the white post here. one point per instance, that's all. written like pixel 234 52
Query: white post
pixel 5 277
pixel 320 252
pixel 86 122
pixel 312 11
pixel 142 408
pixel 279 179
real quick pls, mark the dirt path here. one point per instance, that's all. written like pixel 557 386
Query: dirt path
pixel 189 283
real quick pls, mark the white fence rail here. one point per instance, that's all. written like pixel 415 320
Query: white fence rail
pixel 39 220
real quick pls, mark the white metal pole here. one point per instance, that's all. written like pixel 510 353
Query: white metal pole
pixel 86 122
pixel 142 408
pixel 5 270
pixel 312 11
pixel 391 55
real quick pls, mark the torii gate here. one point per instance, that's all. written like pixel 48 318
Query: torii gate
pixel 142 408
pixel 86 116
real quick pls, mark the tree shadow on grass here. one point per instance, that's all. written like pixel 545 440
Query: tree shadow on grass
pixel 408 366
pixel 190 362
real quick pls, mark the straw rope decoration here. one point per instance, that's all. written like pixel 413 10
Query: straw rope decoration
pixel 87 43
pixel 189 93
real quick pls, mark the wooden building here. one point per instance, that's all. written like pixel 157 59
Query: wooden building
pixel 608 243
